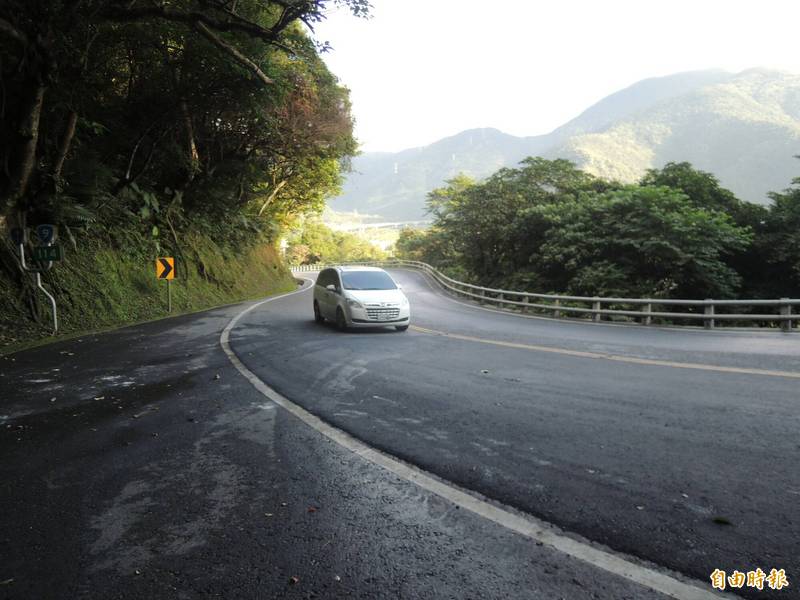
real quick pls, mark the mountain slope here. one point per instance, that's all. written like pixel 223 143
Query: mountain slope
pixel 744 128
pixel 394 185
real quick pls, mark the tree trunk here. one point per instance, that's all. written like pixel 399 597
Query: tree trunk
pixel 191 146
pixel 66 142
pixel 28 132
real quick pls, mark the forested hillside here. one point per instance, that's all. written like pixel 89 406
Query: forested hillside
pixel 745 130
pixel 192 129
pixel 548 226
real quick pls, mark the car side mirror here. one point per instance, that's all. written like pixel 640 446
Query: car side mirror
pixel 399 286
pixel 330 287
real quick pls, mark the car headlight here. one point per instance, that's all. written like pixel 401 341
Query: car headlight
pixel 354 303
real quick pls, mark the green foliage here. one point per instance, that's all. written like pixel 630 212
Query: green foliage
pixel 144 124
pixel 166 108
pixel 780 241
pixel 547 226
pixel 640 241
pixel 314 243
pixel 703 191
pixel 101 286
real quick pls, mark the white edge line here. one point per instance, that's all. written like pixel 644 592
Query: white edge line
pixel 528 526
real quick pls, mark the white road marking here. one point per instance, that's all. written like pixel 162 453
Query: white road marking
pixel 528 526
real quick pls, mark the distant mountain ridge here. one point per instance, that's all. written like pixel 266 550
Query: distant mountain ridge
pixel 743 127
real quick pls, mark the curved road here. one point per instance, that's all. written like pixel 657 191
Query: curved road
pixel 632 445
pixel 140 463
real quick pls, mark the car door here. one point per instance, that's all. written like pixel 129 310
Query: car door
pixel 325 298
pixel 333 297
pixel 320 294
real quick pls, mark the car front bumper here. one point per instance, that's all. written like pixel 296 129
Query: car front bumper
pixel 367 317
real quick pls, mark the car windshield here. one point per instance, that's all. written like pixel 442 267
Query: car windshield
pixel 367 280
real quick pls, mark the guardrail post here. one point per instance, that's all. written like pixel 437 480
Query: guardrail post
pixel 483 295
pixel 500 297
pixel 556 312
pixel 524 308
pixel 596 307
pixel 647 320
pixel 786 310
pixel 709 310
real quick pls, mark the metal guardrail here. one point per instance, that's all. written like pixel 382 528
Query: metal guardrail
pixel 556 304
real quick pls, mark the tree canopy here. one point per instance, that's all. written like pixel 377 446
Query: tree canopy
pixel 201 113
pixel 547 226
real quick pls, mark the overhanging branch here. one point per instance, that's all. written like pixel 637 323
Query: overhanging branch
pixel 233 52
pixel 120 14
pixel 9 30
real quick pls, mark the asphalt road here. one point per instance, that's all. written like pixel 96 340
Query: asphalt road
pixel 130 470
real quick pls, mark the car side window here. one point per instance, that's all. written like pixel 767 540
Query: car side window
pixel 323 278
pixel 334 279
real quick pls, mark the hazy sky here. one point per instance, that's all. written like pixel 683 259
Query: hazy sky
pixel 420 70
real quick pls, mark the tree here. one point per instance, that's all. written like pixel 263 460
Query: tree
pixel 314 242
pixel 779 242
pixel 640 241
pixel 702 189
pixel 492 226
pixel 211 83
pixel 132 124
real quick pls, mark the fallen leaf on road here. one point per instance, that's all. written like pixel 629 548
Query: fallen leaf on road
pixel 484 371
pixel 293 580
pixel 640 508
pixel 216 376
pixel 53 399
pixel 312 509
pixel 337 578
pixel 268 514
pixel 722 521
pixel 7 581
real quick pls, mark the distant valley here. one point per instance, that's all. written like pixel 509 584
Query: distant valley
pixel 744 128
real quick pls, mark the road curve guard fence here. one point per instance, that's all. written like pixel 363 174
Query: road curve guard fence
pixel 646 311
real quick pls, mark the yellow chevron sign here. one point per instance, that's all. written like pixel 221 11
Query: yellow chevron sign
pixel 165 268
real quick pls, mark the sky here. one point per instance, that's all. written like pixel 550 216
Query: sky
pixel 421 70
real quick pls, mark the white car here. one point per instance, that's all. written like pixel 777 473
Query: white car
pixel 360 297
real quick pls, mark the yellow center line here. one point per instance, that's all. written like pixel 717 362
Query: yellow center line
pixel 610 357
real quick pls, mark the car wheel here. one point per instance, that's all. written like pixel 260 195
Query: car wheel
pixel 401 327
pixel 318 315
pixel 341 321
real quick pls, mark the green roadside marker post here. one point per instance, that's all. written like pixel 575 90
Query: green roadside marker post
pixel 48 253
pixel 45 254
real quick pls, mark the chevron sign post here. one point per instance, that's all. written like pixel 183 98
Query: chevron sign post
pixel 165 269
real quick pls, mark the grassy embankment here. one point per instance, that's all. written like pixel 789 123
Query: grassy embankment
pixel 102 285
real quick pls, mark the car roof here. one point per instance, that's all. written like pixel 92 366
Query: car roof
pixel 357 268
